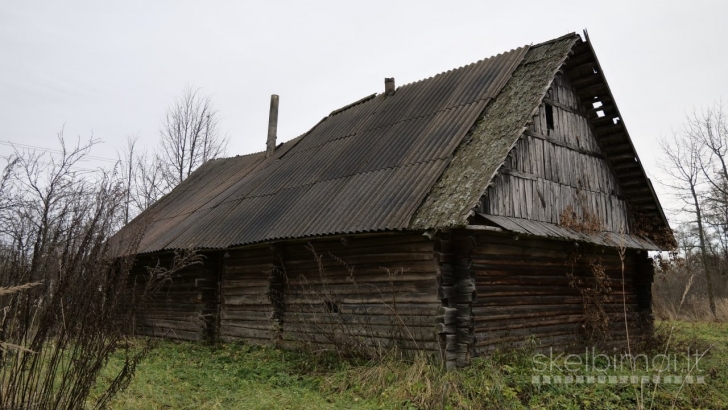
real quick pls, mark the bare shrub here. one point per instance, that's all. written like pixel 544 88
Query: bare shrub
pixel 64 297
pixel 680 291
pixel 595 293
pixel 581 218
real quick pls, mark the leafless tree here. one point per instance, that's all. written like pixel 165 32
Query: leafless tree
pixel 686 157
pixel 127 164
pixel 141 176
pixel 65 298
pixel 190 136
pixel 149 184
pixel 710 128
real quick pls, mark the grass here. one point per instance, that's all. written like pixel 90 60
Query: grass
pixel 238 376
pixel 230 376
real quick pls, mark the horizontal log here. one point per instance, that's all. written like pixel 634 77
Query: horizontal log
pixel 269 325
pixel 364 320
pixel 193 324
pixel 507 324
pixel 361 276
pixel 245 299
pixel 321 342
pixel 373 333
pixel 245 333
pixel 171 334
pixel 265 341
pixel 247 315
pixel 376 288
pixel 245 290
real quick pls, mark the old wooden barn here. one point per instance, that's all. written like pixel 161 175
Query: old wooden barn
pixel 495 203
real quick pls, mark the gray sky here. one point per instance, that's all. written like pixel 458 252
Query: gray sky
pixel 111 68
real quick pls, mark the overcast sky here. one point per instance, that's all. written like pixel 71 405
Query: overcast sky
pixel 110 69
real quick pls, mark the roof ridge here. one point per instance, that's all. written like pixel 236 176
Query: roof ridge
pixel 371 96
pixel 482 60
pixel 355 103
pixel 564 37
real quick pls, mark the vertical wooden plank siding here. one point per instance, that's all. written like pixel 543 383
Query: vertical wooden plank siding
pixel 550 169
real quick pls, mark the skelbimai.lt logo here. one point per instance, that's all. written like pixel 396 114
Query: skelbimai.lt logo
pixel 593 367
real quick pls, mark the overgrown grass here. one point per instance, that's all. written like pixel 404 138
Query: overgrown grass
pixel 179 375
pixel 236 376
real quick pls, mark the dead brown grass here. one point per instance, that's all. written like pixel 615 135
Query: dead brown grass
pixel 694 309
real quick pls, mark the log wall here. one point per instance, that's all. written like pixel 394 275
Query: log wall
pixel 456 293
pixel 524 291
pixel 557 163
pixel 375 290
pixel 371 289
pixel 460 293
pixel 185 307
pixel 248 297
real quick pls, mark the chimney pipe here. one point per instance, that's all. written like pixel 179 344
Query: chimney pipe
pixel 272 126
pixel 389 86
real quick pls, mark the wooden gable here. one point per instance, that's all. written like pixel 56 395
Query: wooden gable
pixel 557 173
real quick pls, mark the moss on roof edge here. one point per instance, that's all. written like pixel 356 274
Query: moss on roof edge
pixel 484 149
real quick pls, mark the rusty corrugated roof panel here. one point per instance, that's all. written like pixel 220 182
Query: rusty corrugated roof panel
pixel 366 167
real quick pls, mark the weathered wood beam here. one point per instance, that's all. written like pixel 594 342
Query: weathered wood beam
pixel 633 192
pixel 575 69
pixel 592 91
pixel 607 108
pixel 614 150
pixel 630 182
pixel 587 80
pixel 642 199
pixel 630 165
pixel 589 100
pixel 483 228
pixel 563 144
pixel 613 139
pixel 607 129
pixel 563 107
pixel 603 121
pixel 622 157
pixel 519 174
pixel 630 175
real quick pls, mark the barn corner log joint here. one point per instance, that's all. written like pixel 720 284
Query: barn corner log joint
pixel 473 209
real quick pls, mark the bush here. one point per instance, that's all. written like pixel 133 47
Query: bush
pixel 64 297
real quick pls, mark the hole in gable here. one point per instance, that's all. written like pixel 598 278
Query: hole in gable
pixel 549 116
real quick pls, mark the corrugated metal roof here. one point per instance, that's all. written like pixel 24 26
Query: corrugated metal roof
pixel 458 190
pixel 549 230
pixel 364 168
pixel 382 163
